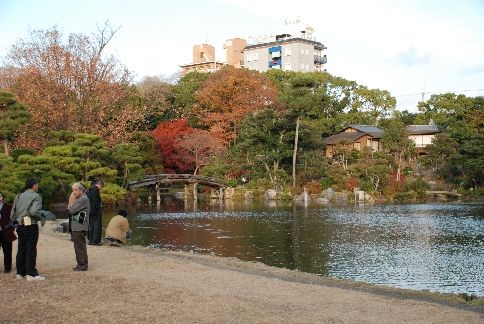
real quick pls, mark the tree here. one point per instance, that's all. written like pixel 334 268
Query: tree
pixel 444 110
pixel 92 151
pixel 70 85
pixel 67 167
pixel 158 96
pixel 263 140
pixel 304 100
pixel 152 160
pixel 12 115
pixel 129 161
pixel 185 91
pixel 378 102
pixel 228 95
pixel 395 139
pixel 199 148
pixel 165 135
pixel 10 182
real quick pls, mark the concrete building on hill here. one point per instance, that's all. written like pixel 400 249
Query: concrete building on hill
pixel 294 50
pixel 203 60
pixel 204 56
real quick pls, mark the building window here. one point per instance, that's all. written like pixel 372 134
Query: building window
pixel 287 67
pixel 255 56
pixel 302 66
pixel 307 51
pixel 249 57
pixel 287 52
pixel 302 50
pixel 307 67
pixel 276 54
pixel 356 146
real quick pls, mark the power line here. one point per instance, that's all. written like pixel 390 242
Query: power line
pixel 429 92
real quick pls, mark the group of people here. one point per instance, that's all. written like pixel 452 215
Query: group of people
pixel 85 220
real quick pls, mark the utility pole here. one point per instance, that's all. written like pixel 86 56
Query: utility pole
pixel 423 94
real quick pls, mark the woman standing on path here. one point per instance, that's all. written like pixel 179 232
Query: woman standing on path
pixel 79 217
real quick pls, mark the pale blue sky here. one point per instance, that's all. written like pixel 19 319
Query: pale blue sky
pixel 400 46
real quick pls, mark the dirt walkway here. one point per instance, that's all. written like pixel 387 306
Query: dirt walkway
pixel 140 285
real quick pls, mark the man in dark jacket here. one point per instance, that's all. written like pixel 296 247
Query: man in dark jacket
pixel 95 213
pixel 7 236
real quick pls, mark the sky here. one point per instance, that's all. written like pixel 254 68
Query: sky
pixel 411 48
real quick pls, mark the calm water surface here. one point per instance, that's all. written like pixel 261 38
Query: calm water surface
pixel 436 247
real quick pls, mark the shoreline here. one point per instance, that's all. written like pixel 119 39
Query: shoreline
pixel 134 283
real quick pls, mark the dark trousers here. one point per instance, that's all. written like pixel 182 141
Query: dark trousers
pixel 7 252
pixel 95 229
pixel 28 236
pixel 79 239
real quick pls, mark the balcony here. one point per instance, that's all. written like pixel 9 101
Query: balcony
pixel 320 60
pixel 275 62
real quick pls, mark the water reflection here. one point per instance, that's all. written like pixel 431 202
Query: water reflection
pixel 429 246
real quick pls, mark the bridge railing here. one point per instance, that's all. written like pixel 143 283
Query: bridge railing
pixel 173 178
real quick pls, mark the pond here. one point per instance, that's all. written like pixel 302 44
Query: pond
pixel 435 247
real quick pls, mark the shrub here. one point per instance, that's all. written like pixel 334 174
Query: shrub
pixel 366 185
pixel 325 183
pixel 296 191
pixel 406 196
pixel 393 187
pixel 313 188
pixel 418 185
pixel 231 182
pixel 351 184
pixel 407 171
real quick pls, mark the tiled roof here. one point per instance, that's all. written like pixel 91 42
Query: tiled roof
pixel 423 129
pixel 362 130
pixel 365 129
pixel 350 136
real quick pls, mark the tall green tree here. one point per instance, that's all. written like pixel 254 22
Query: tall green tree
pixel 13 114
pixel 263 139
pixel 185 91
pixel 395 139
pixel 304 99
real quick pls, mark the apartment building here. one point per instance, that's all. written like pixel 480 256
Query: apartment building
pixel 287 54
pixel 294 50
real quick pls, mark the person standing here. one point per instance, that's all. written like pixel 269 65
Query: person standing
pixel 118 229
pixel 79 219
pixel 26 211
pixel 95 213
pixel 7 236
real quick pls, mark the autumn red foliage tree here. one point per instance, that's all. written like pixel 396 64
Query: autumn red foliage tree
pixel 228 95
pixel 70 84
pixel 198 147
pixel 165 134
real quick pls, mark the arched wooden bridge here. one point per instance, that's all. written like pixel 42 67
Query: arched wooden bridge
pixel 156 180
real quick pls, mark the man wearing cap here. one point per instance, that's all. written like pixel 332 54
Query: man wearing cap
pixel 95 213
pixel 26 212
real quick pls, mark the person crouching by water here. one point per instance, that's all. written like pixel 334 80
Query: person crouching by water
pixel 79 218
pixel 118 229
pixel 26 211
pixel 7 235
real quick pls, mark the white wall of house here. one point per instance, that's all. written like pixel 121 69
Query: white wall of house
pixel 422 140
